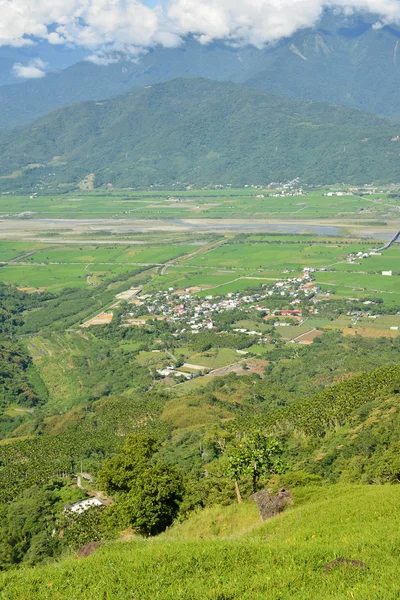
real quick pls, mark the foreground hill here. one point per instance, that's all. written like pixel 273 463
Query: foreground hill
pixel 200 131
pixel 283 558
pixel 343 60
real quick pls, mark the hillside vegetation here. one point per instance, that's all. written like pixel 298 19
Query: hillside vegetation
pixel 283 558
pixel 199 131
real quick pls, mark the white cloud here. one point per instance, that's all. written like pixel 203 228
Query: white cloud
pixel 35 69
pixel 108 27
pixel 259 22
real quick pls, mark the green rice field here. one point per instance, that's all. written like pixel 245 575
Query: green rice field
pixel 214 204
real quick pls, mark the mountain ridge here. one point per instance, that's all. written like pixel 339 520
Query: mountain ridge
pixel 343 61
pixel 200 132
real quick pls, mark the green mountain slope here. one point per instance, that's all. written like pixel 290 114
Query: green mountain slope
pixel 199 131
pixel 283 558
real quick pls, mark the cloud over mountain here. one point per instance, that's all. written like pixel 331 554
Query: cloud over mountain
pixel 35 69
pixel 109 27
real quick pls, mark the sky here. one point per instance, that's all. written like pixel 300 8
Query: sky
pixel 107 29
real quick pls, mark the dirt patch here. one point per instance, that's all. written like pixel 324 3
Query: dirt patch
pixel 244 367
pixel 195 367
pixel 31 290
pixel 87 183
pixel 344 562
pixel 191 290
pixel 308 338
pixel 103 319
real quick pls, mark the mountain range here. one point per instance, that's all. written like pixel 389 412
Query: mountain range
pixel 199 132
pixel 346 61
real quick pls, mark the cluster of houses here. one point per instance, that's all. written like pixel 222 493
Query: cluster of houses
pixel 193 313
pixel 355 257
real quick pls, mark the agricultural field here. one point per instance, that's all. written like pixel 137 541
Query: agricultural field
pixel 55 267
pixel 270 255
pixel 14 250
pixel 215 358
pixel 55 277
pixel 221 266
pixel 361 285
pixel 112 255
pixel 211 204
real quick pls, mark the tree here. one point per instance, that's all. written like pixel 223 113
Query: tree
pixel 256 455
pixel 152 503
pixel 121 471
pixel 147 495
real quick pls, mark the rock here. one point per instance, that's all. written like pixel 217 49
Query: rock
pixel 88 549
pixel 354 564
pixel 270 506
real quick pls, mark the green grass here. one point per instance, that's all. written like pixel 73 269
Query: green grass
pixel 259 350
pixel 214 358
pixel 227 554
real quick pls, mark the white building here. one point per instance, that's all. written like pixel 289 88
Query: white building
pixel 80 507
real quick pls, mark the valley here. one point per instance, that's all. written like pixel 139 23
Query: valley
pixel 199 300
pixel 214 329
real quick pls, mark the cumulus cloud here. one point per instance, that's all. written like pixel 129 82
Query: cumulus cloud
pixel 35 69
pixel 109 27
pixel 260 22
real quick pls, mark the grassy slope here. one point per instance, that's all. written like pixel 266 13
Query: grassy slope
pixel 282 558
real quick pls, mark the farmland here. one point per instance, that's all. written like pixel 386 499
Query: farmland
pixel 215 265
pixel 206 267
pixel 253 203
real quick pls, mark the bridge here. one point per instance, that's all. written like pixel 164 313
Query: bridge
pixel 392 241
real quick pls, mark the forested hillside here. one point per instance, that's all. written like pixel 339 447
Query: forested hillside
pixel 199 131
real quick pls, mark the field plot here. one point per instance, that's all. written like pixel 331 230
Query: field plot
pixel 76 366
pixel 382 326
pixel 55 277
pixel 112 254
pixel 244 366
pixel 13 250
pixel 214 204
pixel 274 256
pixel 102 319
pixel 54 267
pixel 389 260
pixel 52 277
pixel 214 358
pixel 363 282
